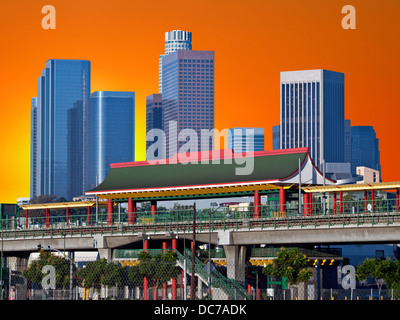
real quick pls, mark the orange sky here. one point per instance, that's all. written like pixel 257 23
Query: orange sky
pixel 253 41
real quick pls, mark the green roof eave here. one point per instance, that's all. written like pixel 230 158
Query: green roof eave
pixel 272 167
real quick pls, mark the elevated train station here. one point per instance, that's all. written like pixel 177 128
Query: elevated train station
pixel 288 179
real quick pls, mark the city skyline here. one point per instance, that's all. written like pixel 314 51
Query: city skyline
pixel 253 87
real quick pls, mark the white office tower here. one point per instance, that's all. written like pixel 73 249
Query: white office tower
pixel 312 114
pixel 174 40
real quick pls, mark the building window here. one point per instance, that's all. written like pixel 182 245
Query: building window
pixel 379 254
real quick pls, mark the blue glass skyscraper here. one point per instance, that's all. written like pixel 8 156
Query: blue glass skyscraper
pixel 75 147
pixel 110 133
pixel 62 84
pixel 33 147
pixel 312 114
pixel 246 139
pixel 364 148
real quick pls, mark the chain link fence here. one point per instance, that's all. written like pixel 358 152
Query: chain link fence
pixel 153 276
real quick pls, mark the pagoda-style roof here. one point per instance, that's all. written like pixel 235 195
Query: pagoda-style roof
pixel 215 172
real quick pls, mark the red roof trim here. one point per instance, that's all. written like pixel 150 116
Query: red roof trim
pixel 209 156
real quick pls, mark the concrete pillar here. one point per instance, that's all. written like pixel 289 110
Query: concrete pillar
pixel 235 262
pixel 19 284
pixel 257 204
pixel 200 289
pixel 105 253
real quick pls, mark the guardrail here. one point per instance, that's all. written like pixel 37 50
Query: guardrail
pixel 319 215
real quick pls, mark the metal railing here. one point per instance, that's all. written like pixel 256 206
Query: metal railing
pixel 317 214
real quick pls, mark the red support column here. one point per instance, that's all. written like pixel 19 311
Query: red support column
pixel 68 216
pixel 174 246
pixel 145 281
pixel 130 211
pixel 110 212
pixel 164 290
pixel 183 284
pixel 249 285
pixel 47 218
pixel 257 203
pixel 282 200
pixel 365 202
pixel 192 277
pixel 341 201
pixel 306 204
pixel 134 212
pixel 26 218
pixel 89 212
pixel 334 203
pixel 397 200
pixel 153 208
pixel 372 200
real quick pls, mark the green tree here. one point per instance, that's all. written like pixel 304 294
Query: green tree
pixel 158 269
pixel 384 271
pixel 291 264
pixel 101 272
pixel 62 267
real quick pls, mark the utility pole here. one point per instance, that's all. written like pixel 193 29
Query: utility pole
pixel 192 287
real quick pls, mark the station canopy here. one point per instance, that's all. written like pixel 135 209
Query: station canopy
pixel 61 205
pixel 358 187
pixel 219 173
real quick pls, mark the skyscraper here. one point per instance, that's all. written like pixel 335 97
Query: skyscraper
pixel 62 83
pixel 312 114
pixel 246 139
pixel 188 97
pixel 33 147
pixel 276 137
pixel 347 141
pixel 364 148
pixel 75 149
pixel 154 120
pixel 110 133
pixel 174 40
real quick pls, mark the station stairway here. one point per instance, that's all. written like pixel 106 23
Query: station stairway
pixel 233 289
